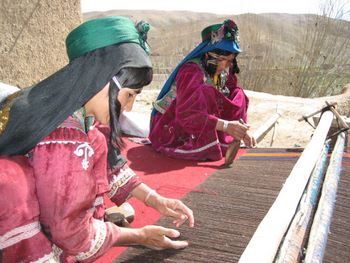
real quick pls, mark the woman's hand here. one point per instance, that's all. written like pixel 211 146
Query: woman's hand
pixel 235 128
pixel 238 129
pixel 173 208
pixel 158 238
pixel 154 237
pixel 249 140
pixel 166 206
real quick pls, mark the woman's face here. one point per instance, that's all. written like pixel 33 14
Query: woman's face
pixel 126 97
pixel 98 106
pixel 224 62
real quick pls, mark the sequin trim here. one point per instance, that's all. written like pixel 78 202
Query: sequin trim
pixel 97 242
pixel 119 180
pixel 60 142
pixel 5 111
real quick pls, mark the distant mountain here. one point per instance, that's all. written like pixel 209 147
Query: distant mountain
pixel 301 55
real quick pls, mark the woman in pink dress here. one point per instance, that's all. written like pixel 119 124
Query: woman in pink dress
pixel 200 109
pixel 48 124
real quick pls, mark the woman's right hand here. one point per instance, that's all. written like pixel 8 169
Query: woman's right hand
pixel 158 238
pixel 237 130
pixel 154 237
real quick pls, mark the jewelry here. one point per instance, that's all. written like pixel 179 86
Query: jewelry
pixel 150 193
pixel 5 111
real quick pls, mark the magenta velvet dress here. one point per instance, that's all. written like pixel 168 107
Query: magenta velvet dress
pixel 69 169
pixel 187 128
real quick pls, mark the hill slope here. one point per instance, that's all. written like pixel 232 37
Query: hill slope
pixel 298 55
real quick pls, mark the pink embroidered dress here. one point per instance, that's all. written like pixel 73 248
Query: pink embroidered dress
pixel 70 169
pixel 21 238
pixel 186 128
pixel 69 161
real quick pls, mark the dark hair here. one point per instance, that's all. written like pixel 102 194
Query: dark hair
pixel 133 78
pixel 211 68
pixel 221 52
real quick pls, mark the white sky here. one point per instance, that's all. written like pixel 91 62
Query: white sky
pixel 210 6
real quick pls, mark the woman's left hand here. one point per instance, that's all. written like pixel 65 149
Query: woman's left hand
pixel 173 208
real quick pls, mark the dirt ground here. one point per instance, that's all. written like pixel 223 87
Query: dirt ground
pixel 289 132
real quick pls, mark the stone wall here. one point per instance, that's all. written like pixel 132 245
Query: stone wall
pixel 32 35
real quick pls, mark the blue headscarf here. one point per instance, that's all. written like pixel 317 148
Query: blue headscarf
pixel 219 36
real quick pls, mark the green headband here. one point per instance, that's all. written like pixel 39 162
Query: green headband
pixel 206 32
pixel 104 32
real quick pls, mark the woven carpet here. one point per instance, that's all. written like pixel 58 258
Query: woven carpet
pixel 228 206
pixel 172 178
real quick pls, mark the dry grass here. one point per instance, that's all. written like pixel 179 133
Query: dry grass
pixel 282 54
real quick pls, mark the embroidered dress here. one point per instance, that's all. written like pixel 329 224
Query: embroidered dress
pixel 69 161
pixel 122 180
pixel 186 129
pixel 21 238
pixel 70 168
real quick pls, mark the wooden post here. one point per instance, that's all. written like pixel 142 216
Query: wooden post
pixel 316 112
pixel 260 133
pixel 294 241
pixel 338 116
pixel 264 244
pixel 322 221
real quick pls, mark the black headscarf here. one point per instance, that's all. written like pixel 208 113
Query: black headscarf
pixel 40 109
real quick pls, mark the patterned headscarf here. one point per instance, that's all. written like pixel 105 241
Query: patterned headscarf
pixel 36 111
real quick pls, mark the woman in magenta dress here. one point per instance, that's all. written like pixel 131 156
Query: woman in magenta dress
pixel 48 126
pixel 197 113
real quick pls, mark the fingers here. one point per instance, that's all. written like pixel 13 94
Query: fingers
pixel 180 218
pixel 169 243
pixel 237 129
pixel 175 244
pixel 161 238
pixel 181 213
pixel 249 140
pixel 253 142
pixel 179 222
pixel 169 232
pixel 187 214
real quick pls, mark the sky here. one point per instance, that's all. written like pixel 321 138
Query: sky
pixel 219 7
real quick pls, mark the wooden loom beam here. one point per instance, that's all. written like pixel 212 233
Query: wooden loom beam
pixel 267 238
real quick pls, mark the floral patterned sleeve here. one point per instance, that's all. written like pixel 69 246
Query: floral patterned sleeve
pixel 122 181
